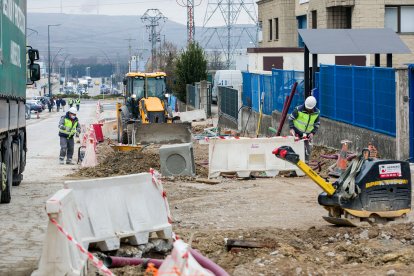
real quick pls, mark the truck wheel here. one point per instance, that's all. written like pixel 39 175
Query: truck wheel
pixel 7 160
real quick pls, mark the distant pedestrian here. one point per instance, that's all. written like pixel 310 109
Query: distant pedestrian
pixel 70 102
pixel 49 105
pixel 77 103
pixel 68 127
pixel 63 103
pixel 58 103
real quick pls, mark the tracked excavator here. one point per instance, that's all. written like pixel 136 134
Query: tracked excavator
pixel 368 192
pixel 145 117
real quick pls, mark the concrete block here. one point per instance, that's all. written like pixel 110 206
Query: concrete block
pixel 177 160
pixel 194 115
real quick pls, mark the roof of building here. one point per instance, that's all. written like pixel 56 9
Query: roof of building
pixel 353 41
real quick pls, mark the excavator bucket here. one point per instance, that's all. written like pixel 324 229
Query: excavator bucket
pixel 174 133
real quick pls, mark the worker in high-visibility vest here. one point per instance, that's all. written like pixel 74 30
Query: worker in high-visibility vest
pixel 304 123
pixel 68 127
pixel 77 103
pixel 70 102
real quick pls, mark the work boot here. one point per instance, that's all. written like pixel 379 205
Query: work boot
pixel 69 162
pixel 61 161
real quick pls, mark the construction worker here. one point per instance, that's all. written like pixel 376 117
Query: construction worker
pixel 132 105
pixel 68 127
pixel 70 102
pixel 77 103
pixel 304 123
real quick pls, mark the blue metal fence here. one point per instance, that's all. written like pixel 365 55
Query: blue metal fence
pixel 361 96
pixel 276 87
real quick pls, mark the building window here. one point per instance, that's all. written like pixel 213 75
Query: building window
pixel 302 24
pixel 260 31
pixel 276 28
pixel 270 30
pixel 314 19
pixel 339 17
pixel 400 18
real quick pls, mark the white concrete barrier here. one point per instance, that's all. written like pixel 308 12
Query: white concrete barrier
pixel 102 212
pixel 194 115
pixel 107 115
pixel 60 256
pixel 110 129
pixel 121 207
pixel 251 155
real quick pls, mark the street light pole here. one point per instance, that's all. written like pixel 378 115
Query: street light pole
pixel 48 51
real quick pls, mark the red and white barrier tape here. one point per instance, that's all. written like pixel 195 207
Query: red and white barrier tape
pixel 156 180
pixel 95 261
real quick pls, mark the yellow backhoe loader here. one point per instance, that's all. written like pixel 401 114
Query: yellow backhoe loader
pixel 145 117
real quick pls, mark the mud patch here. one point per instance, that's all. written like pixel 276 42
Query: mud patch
pixel 115 163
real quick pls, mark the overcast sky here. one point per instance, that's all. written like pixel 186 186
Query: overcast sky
pixel 169 8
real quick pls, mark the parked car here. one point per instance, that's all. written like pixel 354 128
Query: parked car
pixel 28 112
pixel 34 106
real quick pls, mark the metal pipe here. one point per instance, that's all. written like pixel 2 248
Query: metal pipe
pixel 112 262
pixel 286 110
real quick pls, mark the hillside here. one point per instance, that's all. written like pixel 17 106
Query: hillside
pixel 83 36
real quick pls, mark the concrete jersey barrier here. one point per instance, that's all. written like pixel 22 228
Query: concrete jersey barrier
pixel 121 207
pixel 251 155
pixel 102 211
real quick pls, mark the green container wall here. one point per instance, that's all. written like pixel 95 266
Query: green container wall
pixel 12 77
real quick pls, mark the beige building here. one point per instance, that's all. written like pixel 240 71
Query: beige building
pixel 280 20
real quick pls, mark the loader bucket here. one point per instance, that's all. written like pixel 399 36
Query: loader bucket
pixel 175 133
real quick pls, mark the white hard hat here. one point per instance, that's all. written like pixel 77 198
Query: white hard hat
pixel 72 110
pixel 310 102
pixel 133 96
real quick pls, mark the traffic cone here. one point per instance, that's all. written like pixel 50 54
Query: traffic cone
pixel 373 153
pixel 342 161
pixel 90 159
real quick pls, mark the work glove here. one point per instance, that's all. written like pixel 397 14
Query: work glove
pixel 292 132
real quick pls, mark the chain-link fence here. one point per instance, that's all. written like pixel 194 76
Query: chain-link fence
pixel 228 102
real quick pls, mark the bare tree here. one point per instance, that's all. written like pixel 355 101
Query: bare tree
pixel 215 61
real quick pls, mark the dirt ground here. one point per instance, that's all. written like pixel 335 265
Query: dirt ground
pixel 282 213
pixel 113 163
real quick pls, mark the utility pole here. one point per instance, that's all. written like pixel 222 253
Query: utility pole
pixel 152 19
pixel 48 53
pixel 230 12
pixel 190 5
pixel 130 45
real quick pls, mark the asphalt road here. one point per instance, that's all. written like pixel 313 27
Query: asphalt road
pixel 24 221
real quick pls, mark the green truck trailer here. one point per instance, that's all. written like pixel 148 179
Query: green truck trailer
pixel 17 69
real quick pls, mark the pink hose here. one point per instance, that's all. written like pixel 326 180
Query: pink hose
pixel 112 262
pixel 208 264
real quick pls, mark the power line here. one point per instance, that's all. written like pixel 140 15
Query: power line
pixel 152 19
pixel 230 11
pixel 95 5
pixel 190 5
